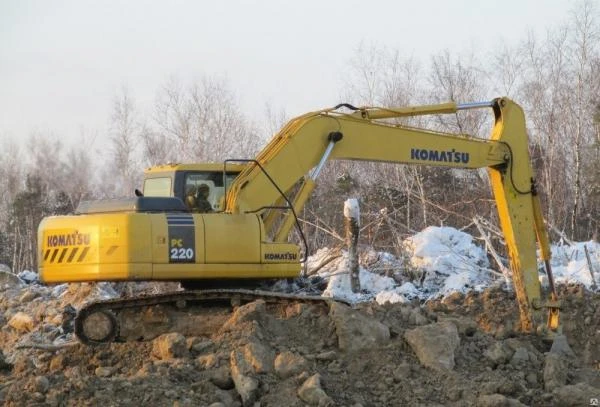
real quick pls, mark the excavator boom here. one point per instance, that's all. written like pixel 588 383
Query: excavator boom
pixel 300 149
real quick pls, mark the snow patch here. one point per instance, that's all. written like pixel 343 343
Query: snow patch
pixel 570 265
pixel 352 209
pixel 438 261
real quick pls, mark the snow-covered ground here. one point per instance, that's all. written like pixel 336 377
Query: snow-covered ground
pixel 439 261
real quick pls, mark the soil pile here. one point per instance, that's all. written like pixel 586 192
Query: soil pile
pixel 457 351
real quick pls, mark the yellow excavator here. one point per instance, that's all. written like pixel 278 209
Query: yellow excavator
pixel 242 232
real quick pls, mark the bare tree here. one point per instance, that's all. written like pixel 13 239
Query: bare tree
pixel 458 79
pixel 156 148
pixel 11 180
pixel 124 130
pixel 202 123
pixel 585 51
pixel 78 177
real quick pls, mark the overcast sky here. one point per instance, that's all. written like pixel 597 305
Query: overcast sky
pixel 63 62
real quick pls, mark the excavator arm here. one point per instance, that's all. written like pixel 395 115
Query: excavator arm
pixel 296 155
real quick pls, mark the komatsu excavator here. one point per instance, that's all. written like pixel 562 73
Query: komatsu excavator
pixel 253 206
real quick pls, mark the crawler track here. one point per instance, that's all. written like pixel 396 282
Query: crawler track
pixel 100 322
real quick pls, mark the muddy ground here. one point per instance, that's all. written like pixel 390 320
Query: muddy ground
pixel 463 350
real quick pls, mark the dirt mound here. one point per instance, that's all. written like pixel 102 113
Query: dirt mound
pixel 461 350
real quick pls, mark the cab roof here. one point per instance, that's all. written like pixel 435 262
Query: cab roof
pixel 213 167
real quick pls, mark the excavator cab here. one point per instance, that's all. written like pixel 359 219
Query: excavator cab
pixel 185 181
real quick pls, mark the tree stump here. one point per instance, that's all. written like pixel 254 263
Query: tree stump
pixel 352 222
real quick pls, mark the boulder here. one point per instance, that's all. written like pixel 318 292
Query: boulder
pixel 21 322
pixel 498 400
pixel 41 384
pixel 102 371
pixel 434 344
pixel 221 378
pixel 199 345
pixel 288 364
pixel 556 363
pixel 260 356
pixel 555 371
pixel 465 326
pixel 580 394
pixel 208 361
pixel 561 347
pixel 28 296
pixel 356 331
pixel 520 357
pixel 499 353
pixel 246 385
pixel 312 393
pixel 169 346
pixel 254 311
pixel 8 279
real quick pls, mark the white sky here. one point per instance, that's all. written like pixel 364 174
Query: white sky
pixel 62 62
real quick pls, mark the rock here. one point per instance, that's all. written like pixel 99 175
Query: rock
pixel 508 387
pixel 402 371
pixel 288 364
pixel 226 397
pixel 311 392
pixel 199 345
pixel 498 400
pixel 102 371
pixel 356 331
pixel 8 279
pixel 169 346
pixel 561 347
pixel 21 322
pixel 42 384
pixel 222 378
pixel 532 379
pixel 208 361
pixel 499 353
pixel 575 395
pixel 28 296
pixel 245 384
pixel 260 356
pixel 520 357
pixel 254 311
pixel 465 326
pixel 29 276
pixel 434 344
pixel 555 371
pixel 57 363
pixel 330 355
pixel 454 394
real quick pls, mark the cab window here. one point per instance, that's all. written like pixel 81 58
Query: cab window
pixel 157 186
pixel 211 180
